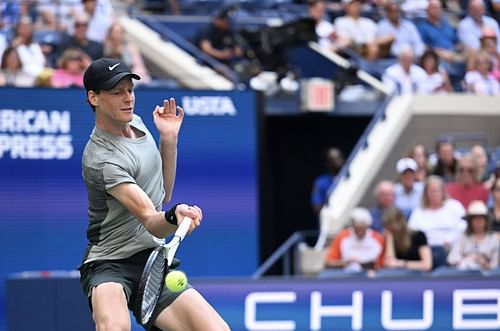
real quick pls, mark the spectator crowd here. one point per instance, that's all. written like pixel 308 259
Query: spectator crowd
pixel 439 216
pixel 51 43
pixel 416 47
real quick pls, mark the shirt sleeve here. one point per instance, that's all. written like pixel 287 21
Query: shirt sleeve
pixel 115 174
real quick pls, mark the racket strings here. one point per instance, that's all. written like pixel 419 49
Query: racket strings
pixel 153 287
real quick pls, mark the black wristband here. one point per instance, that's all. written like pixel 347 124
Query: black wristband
pixel 170 215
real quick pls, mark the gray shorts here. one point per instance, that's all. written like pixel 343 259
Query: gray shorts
pixel 126 272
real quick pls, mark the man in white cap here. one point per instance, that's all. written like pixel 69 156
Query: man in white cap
pixel 356 248
pixel 408 192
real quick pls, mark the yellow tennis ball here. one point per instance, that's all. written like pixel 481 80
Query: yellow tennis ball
pixel 176 281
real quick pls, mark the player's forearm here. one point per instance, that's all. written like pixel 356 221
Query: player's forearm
pixel 168 151
pixel 156 224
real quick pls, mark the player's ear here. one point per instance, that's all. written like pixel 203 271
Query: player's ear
pixel 92 98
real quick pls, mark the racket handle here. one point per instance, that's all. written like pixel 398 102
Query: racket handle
pixel 183 228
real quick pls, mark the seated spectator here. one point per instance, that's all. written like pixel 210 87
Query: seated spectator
pixel 419 153
pixel 58 15
pixel 334 160
pixel 116 46
pixel 405 249
pixel 395 33
pixel 466 187
pixel 30 51
pixel 356 249
pixel 438 34
pixel 404 77
pixel 384 195
pixel 446 162
pixel 324 29
pixel 439 217
pixel 479 154
pixel 494 210
pixel 437 80
pixel 100 17
pixel 357 32
pixel 478 247
pixel 469 28
pixel 71 66
pixel 79 40
pixel 480 79
pixel 219 40
pixel 407 192
pixel 11 70
pixel 488 45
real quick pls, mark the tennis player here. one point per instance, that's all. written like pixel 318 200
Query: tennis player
pixel 127 181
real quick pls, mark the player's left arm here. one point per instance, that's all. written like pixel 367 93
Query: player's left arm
pixel 168 120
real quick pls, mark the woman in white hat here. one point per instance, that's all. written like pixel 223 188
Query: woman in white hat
pixel 478 247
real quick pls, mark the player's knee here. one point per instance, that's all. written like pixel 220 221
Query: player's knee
pixel 107 323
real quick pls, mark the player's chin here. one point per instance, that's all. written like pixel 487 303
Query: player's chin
pixel 127 114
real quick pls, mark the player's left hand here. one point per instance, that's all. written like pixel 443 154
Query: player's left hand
pixel 168 119
pixel 193 212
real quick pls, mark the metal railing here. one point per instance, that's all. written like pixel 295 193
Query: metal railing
pixel 284 252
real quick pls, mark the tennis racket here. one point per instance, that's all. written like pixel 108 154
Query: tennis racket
pixel 155 270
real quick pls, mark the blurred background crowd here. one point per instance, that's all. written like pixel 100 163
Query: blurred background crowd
pixel 412 46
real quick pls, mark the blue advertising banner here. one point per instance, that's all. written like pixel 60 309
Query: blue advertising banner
pixel 426 303
pixel 392 304
pixel 43 200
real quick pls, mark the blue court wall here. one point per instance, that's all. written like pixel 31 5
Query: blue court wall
pixel 43 202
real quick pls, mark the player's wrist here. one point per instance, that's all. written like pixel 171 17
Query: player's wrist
pixel 169 138
pixel 170 216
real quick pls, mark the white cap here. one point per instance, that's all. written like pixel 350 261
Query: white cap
pixel 361 216
pixel 477 208
pixel 406 163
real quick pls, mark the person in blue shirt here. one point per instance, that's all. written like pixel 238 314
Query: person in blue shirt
pixel 437 33
pixel 334 160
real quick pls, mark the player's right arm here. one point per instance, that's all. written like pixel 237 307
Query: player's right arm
pixel 137 202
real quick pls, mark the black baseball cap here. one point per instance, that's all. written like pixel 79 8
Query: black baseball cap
pixel 105 73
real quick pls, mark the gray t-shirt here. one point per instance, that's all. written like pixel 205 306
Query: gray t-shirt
pixel 109 160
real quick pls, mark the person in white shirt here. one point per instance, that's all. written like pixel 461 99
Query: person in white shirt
pixel 100 13
pixel 480 80
pixel 469 28
pixel 439 217
pixel 324 29
pixel 404 77
pixel 437 80
pixel 356 31
pixel 395 32
pixel 30 51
